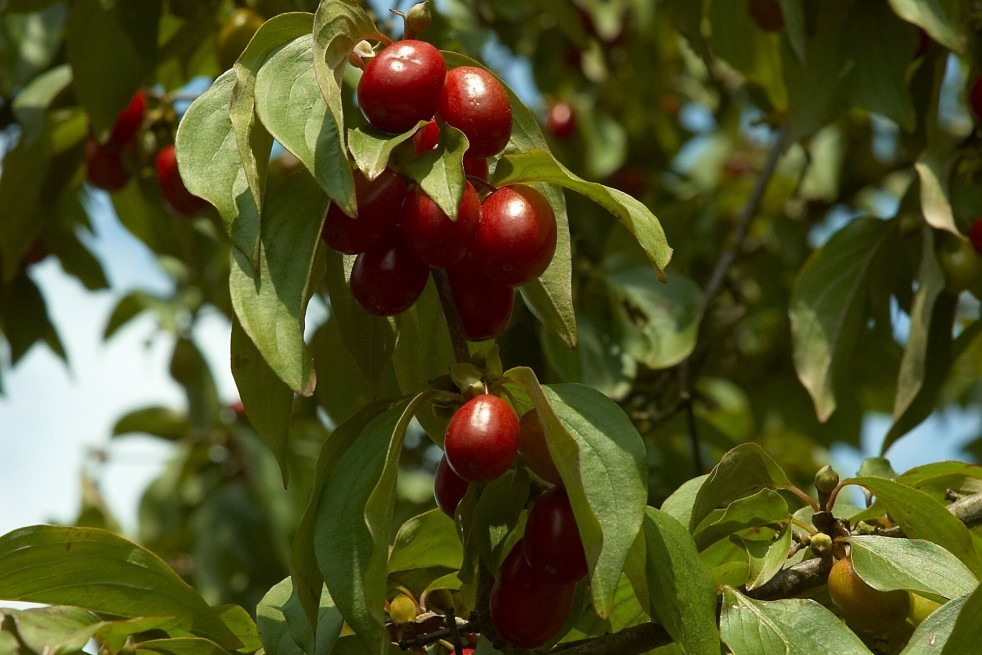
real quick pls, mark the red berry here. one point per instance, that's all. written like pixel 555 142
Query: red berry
pixel 482 438
pixel 448 488
pixel 484 305
pixel 176 195
pixel 387 278
pixel 532 446
pixel 975 235
pixel 130 119
pixel 104 167
pixel 401 85
pixel 923 43
pixel 767 14
pixel 518 235
pixel 432 236
pixel 552 540
pixel 976 97
pixel 527 610
pixel 476 103
pixel 379 206
pixel 560 120
pixel 426 137
pixel 476 167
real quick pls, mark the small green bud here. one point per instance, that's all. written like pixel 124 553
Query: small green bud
pixel 826 480
pixel 419 19
pixel 402 609
pixel 821 543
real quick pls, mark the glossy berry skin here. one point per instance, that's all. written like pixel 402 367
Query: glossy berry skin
pixel 448 488
pixel 518 235
pixel 532 446
pixel 476 167
pixel 426 137
pixel 484 305
pixel 176 195
pixel 432 236
pixel 482 438
pixel 552 540
pixel 863 607
pixel 129 121
pixel 104 167
pixel 975 98
pixel 387 278
pixel 476 103
pixel 560 120
pixel 975 235
pixel 401 85
pixel 767 15
pixel 380 204
pixel 527 610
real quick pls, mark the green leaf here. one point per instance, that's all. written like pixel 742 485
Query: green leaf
pixel 601 459
pixel 934 634
pixel 761 508
pixel 783 627
pixel 886 563
pixel 679 505
pixel 538 165
pixel 268 400
pixel 211 167
pixel 290 105
pixel 766 558
pixel 440 172
pixel 179 646
pixel 599 359
pixel 829 308
pixel 341 386
pixel 21 199
pixel 743 469
pixel 372 148
pixel 159 421
pixel 922 517
pixel 678 589
pixel 353 521
pixel 251 138
pixel 941 19
pixel 30 41
pixel 50 630
pixel 271 302
pixel 933 172
pixel 489 524
pixel 423 350
pixel 426 541
pixel 284 628
pixel 102 572
pixel 24 318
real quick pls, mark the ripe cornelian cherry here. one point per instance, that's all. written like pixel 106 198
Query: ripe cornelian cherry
pixel 130 119
pixel 975 235
pixel 426 137
pixel 448 488
pixel 517 238
pixel 176 195
pixel 975 98
pixel 387 278
pixel 432 236
pixel 532 446
pixel 552 540
pixel 379 206
pixel 104 167
pixel 476 103
pixel 476 167
pixel 527 610
pixel 484 305
pixel 560 120
pixel 482 438
pixel 401 85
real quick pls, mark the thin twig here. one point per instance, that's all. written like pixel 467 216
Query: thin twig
pixel 457 337
pixel 630 641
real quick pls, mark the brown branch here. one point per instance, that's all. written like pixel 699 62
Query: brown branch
pixel 457 336
pixel 968 510
pixel 793 580
pixel 630 641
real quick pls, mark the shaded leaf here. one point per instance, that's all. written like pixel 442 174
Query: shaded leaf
pixel 886 563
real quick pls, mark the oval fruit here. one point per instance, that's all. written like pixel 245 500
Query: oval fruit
pixel 476 103
pixel 484 306
pixel 175 194
pixel 401 85
pixel 387 278
pixel 532 445
pixel 517 238
pixel 552 540
pixel 482 438
pixel 380 204
pixel 448 488
pixel 104 167
pixel 438 241
pixel 863 607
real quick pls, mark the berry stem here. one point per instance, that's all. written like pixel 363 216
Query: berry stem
pixel 457 337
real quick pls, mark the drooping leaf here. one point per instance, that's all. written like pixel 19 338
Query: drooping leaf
pixel 939 18
pixel 932 636
pixel 371 148
pixel 440 172
pixel 24 318
pixel 56 630
pixel 762 508
pixel 886 563
pixel 766 558
pixel 284 627
pixel 932 171
pixel 679 505
pixel 426 541
pixel 159 421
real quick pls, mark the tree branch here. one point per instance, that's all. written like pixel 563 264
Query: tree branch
pixel 630 641
pixel 793 580
pixel 457 337
pixel 968 510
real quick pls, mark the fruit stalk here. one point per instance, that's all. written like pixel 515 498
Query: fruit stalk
pixel 457 337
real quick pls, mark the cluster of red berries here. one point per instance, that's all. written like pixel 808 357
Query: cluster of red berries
pixel 107 163
pixel 533 593
pixel 400 233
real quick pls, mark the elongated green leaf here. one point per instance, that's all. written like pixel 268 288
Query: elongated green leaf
pixel 678 589
pixel 180 646
pixel 829 306
pixel 743 469
pixel 271 302
pixel 24 318
pixel 764 507
pixel 886 563
pixel 487 524
pixel 251 138
pixel 932 170
pixel 284 628
pixel 268 401
pixel 939 18
pixel 602 461
pixel 783 627
pixel 537 165
pixel 922 517
pixel 159 421
pixel 371 148
pixel 766 558
pixel 353 522
pixel 102 572
pixel 426 541
pixel 440 172
pixel 932 636
pixel 422 350
pixel 679 505
pixel 50 630
pixel 968 626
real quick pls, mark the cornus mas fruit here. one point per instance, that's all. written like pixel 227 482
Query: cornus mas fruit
pixel 401 85
pixel 552 540
pixel 130 119
pixel 104 167
pixel 379 202
pixel 438 241
pixel 176 195
pixel 484 305
pixel 426 137
pixel 476 167
pixel 532 446
pixel 863 607
pixel 448 488
pixel 517 238
pixel 387 278
pixel 560 120
pixel 482 438
pixel 975 235
pixel 475 103
pixel 526 608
